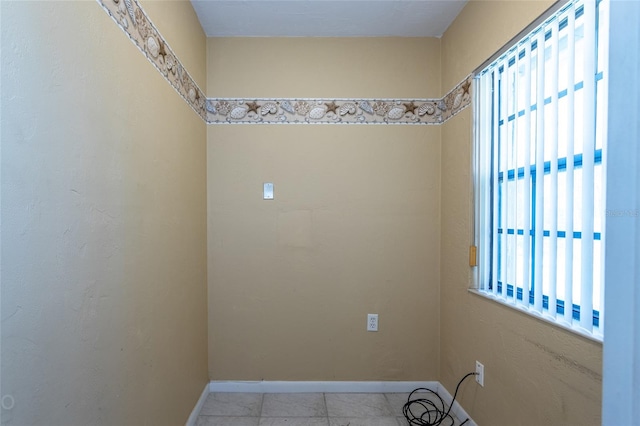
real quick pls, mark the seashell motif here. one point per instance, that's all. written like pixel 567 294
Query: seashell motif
pixel 426 108
pixel 170 64
pixel 142 23
pixel 317 112
pixel 153 47
pixel 211 107
pixel 381 108
pixel 269 108
pixel 442 106
pixel 302 108
pixel 179 74
pixel 457 101
pixel 238 112
pixel 450 100
pixel 396 113
pixel 192 94
pixel 132 15
pixel 366 107
pixel 286 105
pixel 140 18
pixel 348 108
pixel 223 107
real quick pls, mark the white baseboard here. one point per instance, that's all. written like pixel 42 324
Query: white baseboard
pixel 193 417
pixel 335 387
pixel 456 408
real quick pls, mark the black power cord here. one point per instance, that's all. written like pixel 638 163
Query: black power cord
pixel 434 414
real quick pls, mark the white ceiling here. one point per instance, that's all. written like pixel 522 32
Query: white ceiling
pixel 326 18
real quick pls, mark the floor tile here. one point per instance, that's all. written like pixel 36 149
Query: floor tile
pixel 227 421
pixel 294 405
pixel 397 401
pixel 363 421
pixel 294 421
pixel 358 405
pixel 233 404
pixel 402 421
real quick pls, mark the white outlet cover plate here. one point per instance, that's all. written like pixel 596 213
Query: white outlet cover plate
pixel 372 322
pixel 480 375
pixel 268 191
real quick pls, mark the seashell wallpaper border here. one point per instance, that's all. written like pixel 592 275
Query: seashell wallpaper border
pixel 132 19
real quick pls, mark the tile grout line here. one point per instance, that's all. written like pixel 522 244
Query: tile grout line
pixel 326 407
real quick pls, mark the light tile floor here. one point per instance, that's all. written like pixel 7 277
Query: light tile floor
pixel 305 409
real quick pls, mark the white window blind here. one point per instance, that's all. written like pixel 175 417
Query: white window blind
pixel 540 153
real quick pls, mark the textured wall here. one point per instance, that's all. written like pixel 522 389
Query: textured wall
pixel 103 226
pixel 536 374
pixel 353 229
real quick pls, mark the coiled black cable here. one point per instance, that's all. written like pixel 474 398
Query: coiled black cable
pixel 434 410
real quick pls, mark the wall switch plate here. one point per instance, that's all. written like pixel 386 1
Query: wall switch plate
pixel 372 322
pixel 268 191
pixel 480 373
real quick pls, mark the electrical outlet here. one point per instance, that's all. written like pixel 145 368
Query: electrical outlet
pixel 480 373
pixel 372 322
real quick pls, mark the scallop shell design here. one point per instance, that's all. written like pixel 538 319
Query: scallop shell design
pixel 426 108
pixel 442 106
pixel 317 112
pixel 396 113
pixel 286 105
pixel 366 107
pixel 153 47
pixel 211 107
pixel 457 101
pixel 223 107
pixel 192 94
pixel 269 108
pixel 238 112
pixel 448 100
pixel 302 108
pixel 129 6
pixel 381 108
pixel 348 108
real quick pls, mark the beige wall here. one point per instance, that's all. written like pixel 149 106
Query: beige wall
pixel 103 226
pixel 323 67
pixel 353 229
pixel 535 374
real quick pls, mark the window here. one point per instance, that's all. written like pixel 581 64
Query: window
pixel 540 155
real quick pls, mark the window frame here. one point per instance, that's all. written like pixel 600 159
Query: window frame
pixel 484 188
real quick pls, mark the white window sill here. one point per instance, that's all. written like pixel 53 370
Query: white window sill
pixel 548 319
